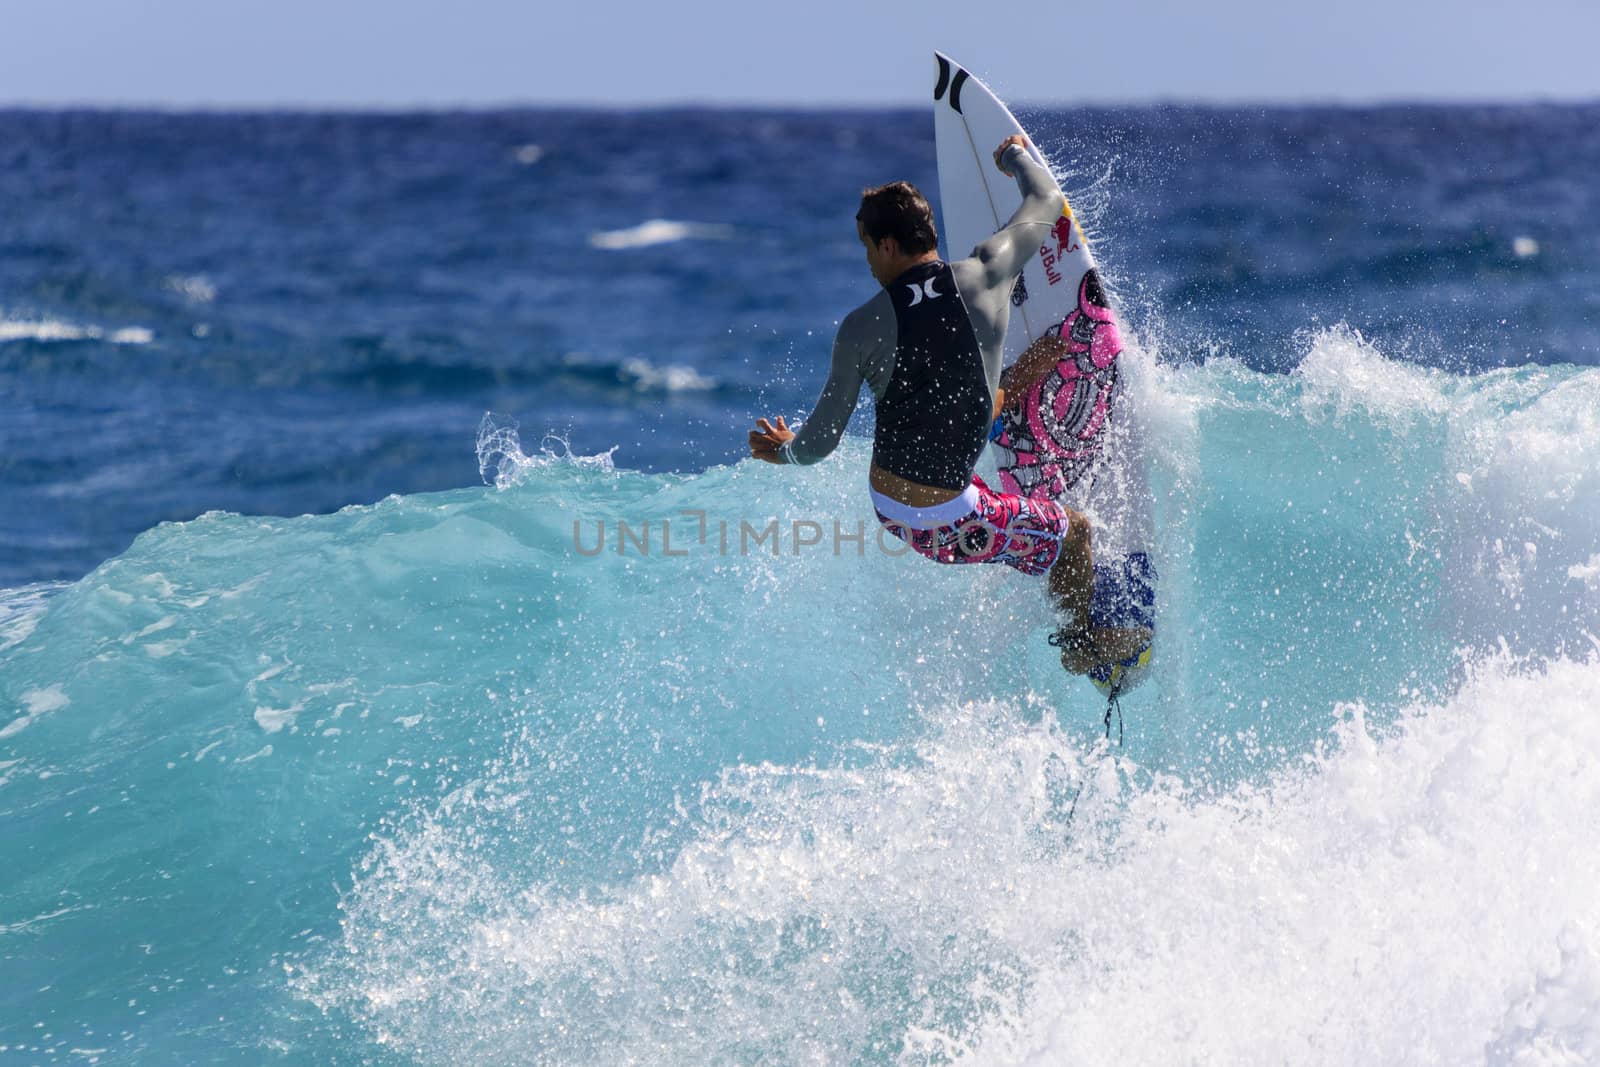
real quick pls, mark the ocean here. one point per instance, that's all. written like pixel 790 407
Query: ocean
pixel 401 663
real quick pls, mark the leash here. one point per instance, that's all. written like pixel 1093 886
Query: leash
pixel 1113 703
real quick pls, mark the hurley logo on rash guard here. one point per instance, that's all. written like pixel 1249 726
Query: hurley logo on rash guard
pixel 917 291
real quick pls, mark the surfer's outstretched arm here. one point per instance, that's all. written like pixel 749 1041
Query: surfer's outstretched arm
pixel 1005 254
pixel 858 343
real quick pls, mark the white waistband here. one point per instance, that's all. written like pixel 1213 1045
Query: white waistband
pixel 945 514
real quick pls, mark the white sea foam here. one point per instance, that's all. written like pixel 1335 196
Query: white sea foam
pixel 36 703
pixel 41 330
pixel 271 720
pixel 22 608
pixel 674 378
pixel 56 330
pixel 527 154
pixel 1343 371
pixel 1420 893
pixel 1527 523
pixel 195 288
pixel 658 232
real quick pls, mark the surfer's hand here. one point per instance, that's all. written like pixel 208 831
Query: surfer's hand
pixel 766 439
pixel 999 153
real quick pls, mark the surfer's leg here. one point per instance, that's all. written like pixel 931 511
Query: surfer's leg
pixel 1072 577
pixel 1072 587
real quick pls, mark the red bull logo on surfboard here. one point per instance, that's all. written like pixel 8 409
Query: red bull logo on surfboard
pixel 1061 243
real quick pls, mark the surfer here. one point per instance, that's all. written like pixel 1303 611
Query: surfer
pixel 930 346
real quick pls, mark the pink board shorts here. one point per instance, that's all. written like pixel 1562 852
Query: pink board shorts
pixel 980 526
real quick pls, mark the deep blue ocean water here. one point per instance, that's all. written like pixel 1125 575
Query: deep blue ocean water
pixel 323 740
pixel 291 313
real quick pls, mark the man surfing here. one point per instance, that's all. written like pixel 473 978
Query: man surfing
pixel 930 345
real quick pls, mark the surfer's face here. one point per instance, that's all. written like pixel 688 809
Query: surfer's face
pixel 879 255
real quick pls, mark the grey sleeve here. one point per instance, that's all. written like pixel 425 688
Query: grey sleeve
pixel 1005 254
pixel 855 350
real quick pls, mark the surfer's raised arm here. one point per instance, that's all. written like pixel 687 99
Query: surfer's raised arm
pixel 1005 254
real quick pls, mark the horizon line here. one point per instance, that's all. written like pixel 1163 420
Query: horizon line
pixel 727 104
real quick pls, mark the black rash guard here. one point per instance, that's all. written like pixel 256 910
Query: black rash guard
pixel 940 446
pixel 933 419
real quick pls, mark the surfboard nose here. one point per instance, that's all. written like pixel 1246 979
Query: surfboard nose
pixel 950 77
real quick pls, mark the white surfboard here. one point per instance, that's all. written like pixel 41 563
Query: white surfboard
pixel 976 199
pixel 1073 436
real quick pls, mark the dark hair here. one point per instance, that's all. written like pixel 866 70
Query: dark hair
pixel 898 210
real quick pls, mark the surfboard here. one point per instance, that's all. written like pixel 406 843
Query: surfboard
pixel 1053 433
pixel 1073 436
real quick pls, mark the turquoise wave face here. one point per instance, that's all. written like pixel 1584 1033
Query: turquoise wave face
pixel 434 779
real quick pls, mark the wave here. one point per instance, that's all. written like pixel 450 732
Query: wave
pixel 996 893
pixel 698 768
pixel 673 378
pixel 635 374
pixel 658 232
pixel 1355 882
pixel 54 330
pixel 1512 507
pixel 372 365
pixel 195 288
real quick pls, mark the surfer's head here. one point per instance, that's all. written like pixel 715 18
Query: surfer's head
pixel 895 225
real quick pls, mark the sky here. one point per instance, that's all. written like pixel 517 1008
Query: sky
pixel 398 53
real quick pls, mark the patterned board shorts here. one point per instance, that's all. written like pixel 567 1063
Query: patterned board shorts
pixel 1014 530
